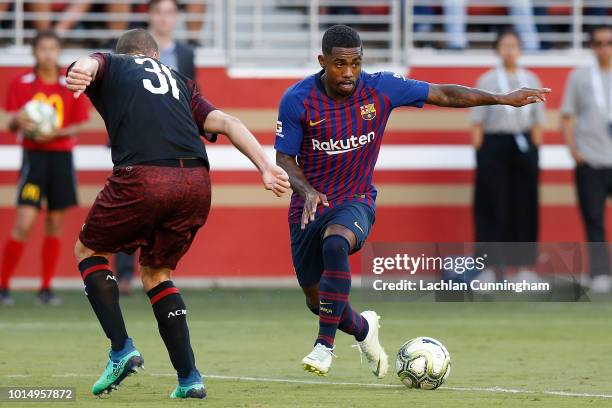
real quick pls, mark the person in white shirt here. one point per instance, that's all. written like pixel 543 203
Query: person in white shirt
pixel 506 141
pixel 587 126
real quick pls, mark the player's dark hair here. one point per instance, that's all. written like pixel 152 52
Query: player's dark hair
pixel 504 32
pixel 594 29
pixel 137 41
pixel 340 36
pixel 45 34
pixel 153 3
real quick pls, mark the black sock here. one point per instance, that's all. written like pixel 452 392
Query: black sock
pixel 171 314
pixel 103 294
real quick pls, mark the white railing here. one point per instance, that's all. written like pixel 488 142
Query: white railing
pixel 288 32
pixel 95 23
pixel 275 31
pixel 558 23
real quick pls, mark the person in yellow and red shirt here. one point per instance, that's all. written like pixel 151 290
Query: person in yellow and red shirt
pixel 47 171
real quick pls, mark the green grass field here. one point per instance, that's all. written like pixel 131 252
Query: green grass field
pixel 250 344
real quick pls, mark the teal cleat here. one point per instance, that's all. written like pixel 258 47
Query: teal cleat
pixel 190 386
pixel 118 368
pixel 192 391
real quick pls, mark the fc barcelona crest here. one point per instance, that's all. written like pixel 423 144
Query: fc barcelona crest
pixel 368 112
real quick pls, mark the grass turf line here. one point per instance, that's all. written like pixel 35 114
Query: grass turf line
pixel 560 347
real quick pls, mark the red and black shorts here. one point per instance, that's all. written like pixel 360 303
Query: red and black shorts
pixel 158 209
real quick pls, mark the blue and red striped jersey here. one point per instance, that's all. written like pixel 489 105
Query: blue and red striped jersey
pixel 337 142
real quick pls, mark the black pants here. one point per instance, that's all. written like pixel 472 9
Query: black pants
pixel 593 187
pixel 506 196
pixel 124 265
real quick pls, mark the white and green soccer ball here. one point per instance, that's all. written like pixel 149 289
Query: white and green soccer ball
pixel 423 363
pixel 43 115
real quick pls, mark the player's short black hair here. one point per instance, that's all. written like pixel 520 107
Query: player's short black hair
pixel 45 34
pixel 137 41
pixel 597 28
pixel 340 36
pixel 504 32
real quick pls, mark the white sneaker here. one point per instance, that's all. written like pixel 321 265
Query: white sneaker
pixel 319 360
pixel 487 275
pixel 527 275
pixel 601 284
pixel 378 361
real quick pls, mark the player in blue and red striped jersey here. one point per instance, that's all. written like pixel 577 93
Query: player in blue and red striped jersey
pixel 328 136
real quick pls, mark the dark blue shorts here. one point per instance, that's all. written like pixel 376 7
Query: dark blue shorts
pixel 307 244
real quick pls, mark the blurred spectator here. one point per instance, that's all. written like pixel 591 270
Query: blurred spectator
pixel 521 13
pixel 70 14
pixel 163 17
pixel 565 11
pixel 47 172
pixel 587 127
pixel 5 22
pixel 543 27
pixel 596 11
pixel 4 7
pixel 454 24
pixel 342 10
pixel 507 141
pixel 195 26
pixel 423 11
pixel 119 8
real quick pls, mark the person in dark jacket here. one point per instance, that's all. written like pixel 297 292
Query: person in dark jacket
pixel 163 16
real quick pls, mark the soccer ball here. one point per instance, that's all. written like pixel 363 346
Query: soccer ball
pixel 423 363
pixel 43 115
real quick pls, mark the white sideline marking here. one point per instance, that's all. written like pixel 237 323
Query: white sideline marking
pixel 372 385
pixel 464 389
pixel 284 380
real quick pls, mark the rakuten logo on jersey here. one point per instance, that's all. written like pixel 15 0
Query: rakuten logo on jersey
pixel 342 146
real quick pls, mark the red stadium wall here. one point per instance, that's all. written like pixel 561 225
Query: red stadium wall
pixel 243 240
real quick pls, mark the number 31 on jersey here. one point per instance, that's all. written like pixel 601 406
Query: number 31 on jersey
pixel 159 70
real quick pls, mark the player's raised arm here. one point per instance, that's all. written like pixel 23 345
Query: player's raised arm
pixel 299 184
pixel 273 177
pixel 81 74
pixel 457 96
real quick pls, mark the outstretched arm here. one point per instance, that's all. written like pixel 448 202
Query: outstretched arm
pixel 299 184
pixel 458 96
pixel 273 177
pixel 81 74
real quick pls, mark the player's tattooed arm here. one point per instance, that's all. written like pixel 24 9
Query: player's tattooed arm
pixel 274 178
pixel 299 184
pixel 458 96
pixel 81 74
